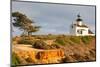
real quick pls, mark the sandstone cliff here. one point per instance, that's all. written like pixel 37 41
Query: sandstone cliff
pixel 29 55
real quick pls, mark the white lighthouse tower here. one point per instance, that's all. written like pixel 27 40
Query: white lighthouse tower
pixel 78 28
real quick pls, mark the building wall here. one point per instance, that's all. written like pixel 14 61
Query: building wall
pixel 73 31
pixel 84 31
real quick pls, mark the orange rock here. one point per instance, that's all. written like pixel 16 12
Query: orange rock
pixel 51 55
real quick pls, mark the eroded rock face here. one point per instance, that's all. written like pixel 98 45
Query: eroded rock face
pixel 26 57
pixel 39 56
pixel 50 56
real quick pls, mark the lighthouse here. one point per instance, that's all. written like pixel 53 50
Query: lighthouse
pixel 79 28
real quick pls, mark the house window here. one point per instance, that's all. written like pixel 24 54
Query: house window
pixel 79 31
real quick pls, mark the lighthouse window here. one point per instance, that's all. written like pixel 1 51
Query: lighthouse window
pixel 79 31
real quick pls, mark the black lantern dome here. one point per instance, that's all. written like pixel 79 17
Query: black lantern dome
pixel 79 18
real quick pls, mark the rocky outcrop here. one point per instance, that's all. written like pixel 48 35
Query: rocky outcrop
pixel 36 56
pixel 50 56
pixel 25 57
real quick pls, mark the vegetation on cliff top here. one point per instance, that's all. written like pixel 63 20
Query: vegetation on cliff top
pixel 60 39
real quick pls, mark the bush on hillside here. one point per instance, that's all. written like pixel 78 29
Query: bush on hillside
pixel 15 59
pixel 40 45
pixel 60 41
pixel 75 39
pixel 26 42
pixel 86 39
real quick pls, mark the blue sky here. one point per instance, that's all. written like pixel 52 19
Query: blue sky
pixel 54 18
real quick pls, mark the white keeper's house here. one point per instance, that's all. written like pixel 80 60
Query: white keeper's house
pixel 78 28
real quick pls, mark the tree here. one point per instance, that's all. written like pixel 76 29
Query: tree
pixel 22 22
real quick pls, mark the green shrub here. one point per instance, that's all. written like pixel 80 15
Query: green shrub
pixel 13 66
pixel 86 39
pixel 75 39
pixel 26 42
pixel 40 45
pixel 61 41
pixel 15 59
